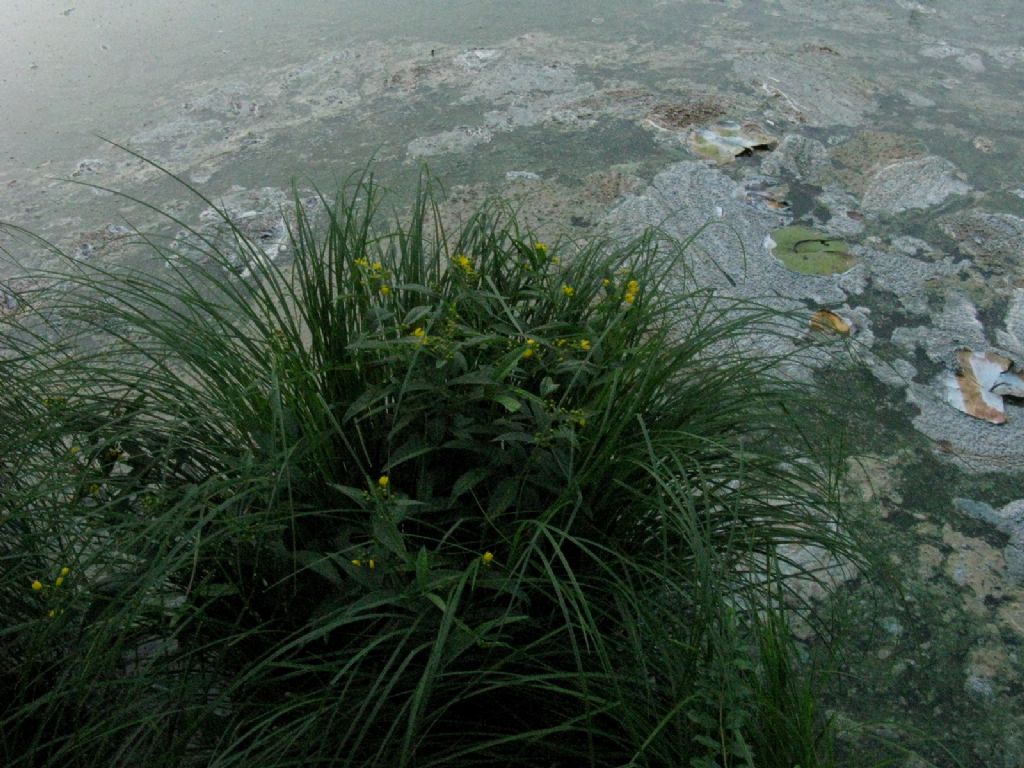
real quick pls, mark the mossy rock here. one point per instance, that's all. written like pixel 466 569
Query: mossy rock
pixel 810 252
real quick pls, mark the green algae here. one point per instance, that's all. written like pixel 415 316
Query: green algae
pixel 810 252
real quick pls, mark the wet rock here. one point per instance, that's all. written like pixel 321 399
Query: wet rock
pixel 808 87
pixel 800 157
pixel 918 183
pixel 766 195
pixel 979 688
pixel 477 59
pixel 1011 336
pixel 813 573
pixel 973 445
pixel 521 176
pixel 987 669
pixel 994 240
pixel 844 209
pixel 1007 56
pixel 1008 519
pixel 975 565
pixel 912 246
pixel 684 197
pixel 231 99
pixel 908 279
pixel 458 139
pixel 504 80
pixel 261 216
pixel 860 157
pixel 89 167
pixel 972 62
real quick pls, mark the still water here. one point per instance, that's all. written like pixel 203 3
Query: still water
pixel 892 126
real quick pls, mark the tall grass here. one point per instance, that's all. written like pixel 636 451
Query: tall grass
pixel 415 498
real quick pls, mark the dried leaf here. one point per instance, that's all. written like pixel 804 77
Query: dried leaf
pixel 824 320
pixel 980 382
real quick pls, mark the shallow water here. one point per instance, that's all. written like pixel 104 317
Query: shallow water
pixel 894 125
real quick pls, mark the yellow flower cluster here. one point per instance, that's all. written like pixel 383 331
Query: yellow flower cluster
pixel 377 272
pixel 376 267
pixel 585 345
pixel 632 288
pixel 38 586
pixel 531 348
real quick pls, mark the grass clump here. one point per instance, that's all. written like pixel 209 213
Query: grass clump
pixel 413 499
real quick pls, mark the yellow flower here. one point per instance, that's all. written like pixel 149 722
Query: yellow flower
pixel 93 489
pixel 420 334
pixel 632 287
pixel 377 266
pixel 528 352
pixel 384 481
pixel 487 557
pixel 53 613
pixel 585 344
pixel 357 563
pixel 361 263
pixel 65 571
pixel 37 585
pixel 568 290
pixel 372 563
pixel 74 450
pixel 59 581
pixel 606 282
pixel 540 248
pixel 385 289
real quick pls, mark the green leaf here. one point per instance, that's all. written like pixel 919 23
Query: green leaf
pixel 504 496
pixel 319 564
pixel 511 404
pixel 468 481
pixel 423 568
pixel 436 600
pixel 387 533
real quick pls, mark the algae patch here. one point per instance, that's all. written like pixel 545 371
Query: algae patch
pixel 810 252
